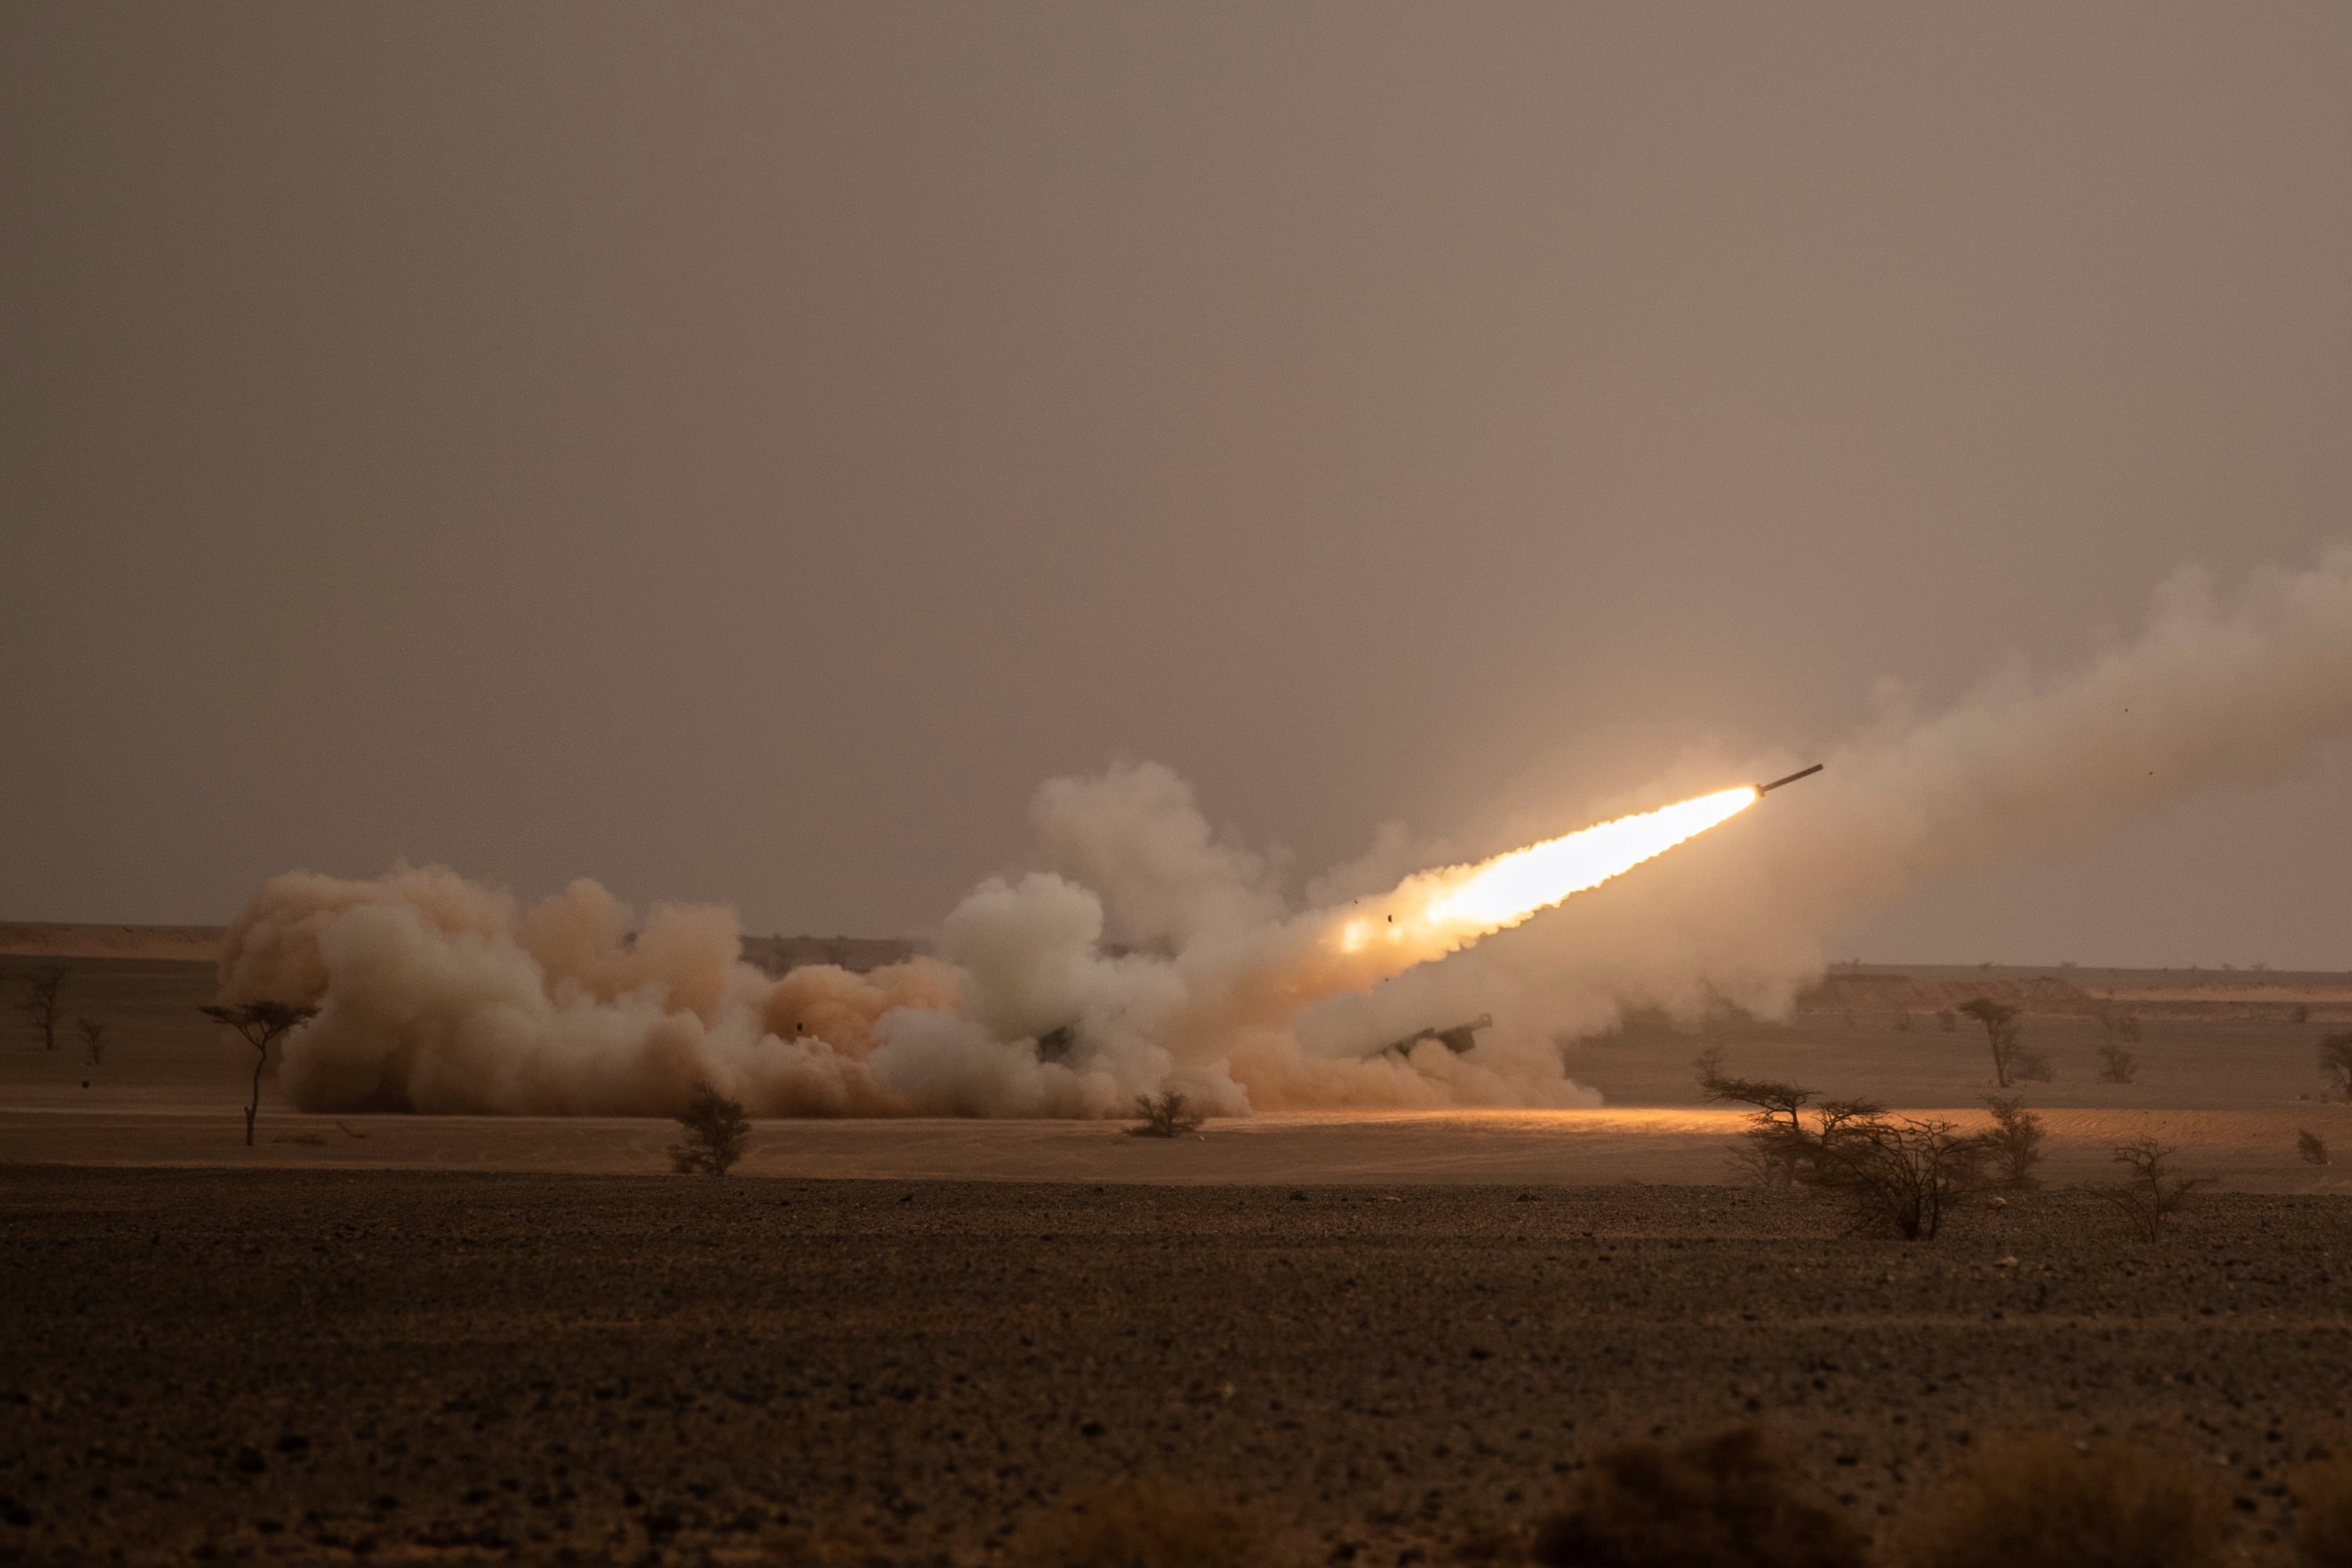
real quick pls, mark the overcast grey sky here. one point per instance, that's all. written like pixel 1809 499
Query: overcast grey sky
pixel 737 452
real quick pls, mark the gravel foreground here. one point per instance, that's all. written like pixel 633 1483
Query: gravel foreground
pixel 393 1366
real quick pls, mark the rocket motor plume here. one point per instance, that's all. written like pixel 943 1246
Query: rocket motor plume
pixel 1433 913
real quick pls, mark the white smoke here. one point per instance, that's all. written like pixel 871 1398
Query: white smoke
pixel 438 994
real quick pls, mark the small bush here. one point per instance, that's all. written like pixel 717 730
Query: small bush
pixel 2014 1144
pixel 1165 1115
pixel 1149 1524
pixel 2312 1147
pixel 1727 1501
pixel 1947 1021
pixel 1903 1176
pixel 1779 1149
pixel 2150 1193
pixel 2323 1495
pixel 716 1131
pixel 2041 1503
pixel 2033 1067
pixel 2116 1065
pixel 1902 1023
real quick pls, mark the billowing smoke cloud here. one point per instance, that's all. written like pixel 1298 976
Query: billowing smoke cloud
pixel 438 994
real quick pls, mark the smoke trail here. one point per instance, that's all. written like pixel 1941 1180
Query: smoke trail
pixel 438 994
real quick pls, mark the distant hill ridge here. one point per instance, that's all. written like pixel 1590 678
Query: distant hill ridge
pixel 50 939
pixel 201 945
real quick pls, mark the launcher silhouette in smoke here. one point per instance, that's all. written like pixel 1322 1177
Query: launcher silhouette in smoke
pixel 1457 1039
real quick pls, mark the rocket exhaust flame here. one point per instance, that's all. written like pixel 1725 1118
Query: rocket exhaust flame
pixel 1434 912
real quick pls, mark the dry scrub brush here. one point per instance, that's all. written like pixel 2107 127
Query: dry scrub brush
pixel 2014 1144
pixel 1152 1523
pixel 716 1131
pixel 2311 1146
pixel 1165 1116
pixel 2152 1191
pixel 1725 1501
pixel 2038 1502
pixel 1903 1176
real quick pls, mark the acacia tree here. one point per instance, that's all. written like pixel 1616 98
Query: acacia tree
pixel 94 1039
pixel 2002 1030
pixel 716 1131
pixel 41 1006
pixel 1165 1116
pixel 1782 1149
pixel 261 1024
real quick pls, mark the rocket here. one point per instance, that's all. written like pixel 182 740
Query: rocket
pixel 1792 778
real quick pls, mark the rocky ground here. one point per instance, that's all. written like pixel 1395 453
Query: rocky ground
pixel 310 1365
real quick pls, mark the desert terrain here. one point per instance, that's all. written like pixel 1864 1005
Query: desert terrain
pixel 408 1337
pixel 309 1365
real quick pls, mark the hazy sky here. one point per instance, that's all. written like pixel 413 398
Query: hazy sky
pixel 738 452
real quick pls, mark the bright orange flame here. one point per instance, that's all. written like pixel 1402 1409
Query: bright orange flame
pixel 1445 908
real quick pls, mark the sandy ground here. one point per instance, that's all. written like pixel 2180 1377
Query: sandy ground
pixel 2240 1151
pixel 298 1366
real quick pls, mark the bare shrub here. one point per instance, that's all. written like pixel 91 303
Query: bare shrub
pixel 2152 1191
pixel 2323 1495
pixel 2116 1065
pixel 2014 1144
pixel 2312 1147
pixel 1947 1021
pixel 2336 1064
pixel 2300 1013
pixel 1903 1176
pixel 1725 1501
pixel 2039 1502
pixel 2004 1029
pixel 1152 1523
pixel 261 1024
pixel 1165 1115
pixel 2031 1067
pixel 93 1038
pixel 1779 1148
pixel 41 1006
pixel 1902 1023
pixel 716 1131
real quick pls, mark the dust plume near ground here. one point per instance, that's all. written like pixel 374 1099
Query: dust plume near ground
pixel 2231 1082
